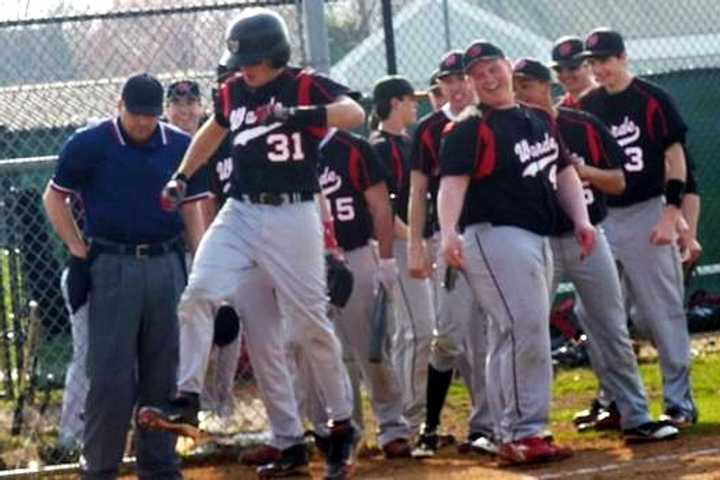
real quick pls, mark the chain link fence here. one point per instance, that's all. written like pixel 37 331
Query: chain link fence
pixel 60 72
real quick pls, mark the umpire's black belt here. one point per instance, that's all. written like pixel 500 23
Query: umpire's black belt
pixel 141 250
pixel 276 199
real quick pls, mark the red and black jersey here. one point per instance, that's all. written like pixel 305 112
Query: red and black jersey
pixel 645 122
pixel 425 157
pixel 588 142
pixel 220 170
pixel 273 157
pixel 512 157
pixel 348 167
pixel 394 153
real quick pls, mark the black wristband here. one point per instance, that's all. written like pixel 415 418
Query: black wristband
pixel 674 190
pixel 180 176
pixel 311 116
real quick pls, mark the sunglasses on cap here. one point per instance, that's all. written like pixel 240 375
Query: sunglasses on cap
pixel 183 89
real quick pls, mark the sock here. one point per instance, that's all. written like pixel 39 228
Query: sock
pixel 437 388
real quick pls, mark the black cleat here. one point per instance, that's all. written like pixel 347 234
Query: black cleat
pixel 339 460
pixel 679 419
pixel 651 432
pixel 293 461
pixel 589 415
pixel 179 416
pixel 427 445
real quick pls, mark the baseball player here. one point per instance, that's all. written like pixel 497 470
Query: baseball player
pixel 599 161
pixel 508 170
pixel 646 221
pixel 276 115
pixel 456 307
pixel 396 109
pixel 573 72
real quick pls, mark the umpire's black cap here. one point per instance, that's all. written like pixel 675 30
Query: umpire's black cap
pixel 531 68
pixel 602 43
pixel 451 64
pixel 480 50
pixel 143 94
pixel 565 52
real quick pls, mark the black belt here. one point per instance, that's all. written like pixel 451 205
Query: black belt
pixel 137 250
pixel 276 199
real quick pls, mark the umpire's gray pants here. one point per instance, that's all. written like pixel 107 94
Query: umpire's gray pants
pixel 414 322
pixel 510 271
pixel 132 358
pixel 285 244
pixel 654 279
pixel 602 316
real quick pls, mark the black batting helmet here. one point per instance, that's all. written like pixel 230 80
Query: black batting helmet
pixel 255 35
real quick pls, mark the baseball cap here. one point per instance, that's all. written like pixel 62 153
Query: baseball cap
pixel 143 95
pixel 565 52
pixel 480 50
pixel 603 42
pixel 392 86
pixel 183 89
pixel 451 64
pixel 531 68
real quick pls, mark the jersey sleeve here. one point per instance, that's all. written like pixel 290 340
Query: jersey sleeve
pixel 221 103
pixel 612 155
pixel 666 122
pixel 75 164
pixel 424 150
pixel 324 90
pixel 461 148
pixel 369 168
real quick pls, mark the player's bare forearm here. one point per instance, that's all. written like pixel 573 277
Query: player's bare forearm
pixel 324 205
pixel 675 163
pixel 691 212
pixel 345 113
pixel 378 201
pixel 417 209
pixel 205 142
pixel 196 220
pixel 570 195
pixel 402 231
pixel 610 181
pixel 60 215
pixel 451 197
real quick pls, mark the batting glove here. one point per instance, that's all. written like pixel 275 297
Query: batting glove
pixel 174 192
pixel 387 274
pixel 298 117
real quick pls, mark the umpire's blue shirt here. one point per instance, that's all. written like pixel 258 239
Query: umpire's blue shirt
pixel 120 183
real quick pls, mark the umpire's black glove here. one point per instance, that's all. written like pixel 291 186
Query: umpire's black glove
pixel 78 282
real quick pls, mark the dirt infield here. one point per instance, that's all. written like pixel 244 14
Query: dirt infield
pixel 689 457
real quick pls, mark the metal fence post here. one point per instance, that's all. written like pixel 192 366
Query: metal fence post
pixel 316 37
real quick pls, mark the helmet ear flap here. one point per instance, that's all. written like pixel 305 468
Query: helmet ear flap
pixel 281 59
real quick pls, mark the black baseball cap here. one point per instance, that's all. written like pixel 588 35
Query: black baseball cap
pixel 565 52
pixel 143 95
pixel 183 89
pixel 451 64
pixel 480 50
pixel 603 42
pixel 531 68
pixel 392 86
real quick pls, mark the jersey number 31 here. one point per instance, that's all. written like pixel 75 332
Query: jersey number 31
pixel 284 147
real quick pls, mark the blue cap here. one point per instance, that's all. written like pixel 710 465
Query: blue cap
pixel 143 95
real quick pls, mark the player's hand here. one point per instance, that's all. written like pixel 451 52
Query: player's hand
pixel 452 247
pixel 386 274
pixel 585 235
pixel 671 224
pixel 79 250
pixel 173 193
pixel 583 171
pixel 418 264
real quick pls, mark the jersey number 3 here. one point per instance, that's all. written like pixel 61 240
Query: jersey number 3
pixel 283 147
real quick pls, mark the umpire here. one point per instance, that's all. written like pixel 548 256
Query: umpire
pixel 133 267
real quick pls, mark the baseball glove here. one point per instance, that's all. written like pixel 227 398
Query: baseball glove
pixel 339 281
pixel 227 326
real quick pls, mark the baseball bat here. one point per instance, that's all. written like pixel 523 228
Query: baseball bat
pixel 5 335
pixel 451 275
pixel 27 377
pixel 378 325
